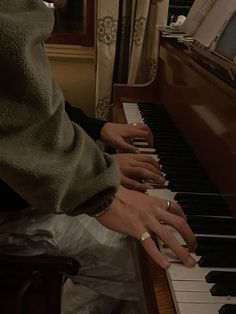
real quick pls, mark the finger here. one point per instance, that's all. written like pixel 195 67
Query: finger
pixel 176 209
pixel 122 145
pixel 180 251
pixel 147 166
pixel 151 248
pixel 180 224
pixel 142 173
pixel 140 126
pixel 133 184
pixel 134 132
pixel 144 127
pixel 147 159
pixel 169 239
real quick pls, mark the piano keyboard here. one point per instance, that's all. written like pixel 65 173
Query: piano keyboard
pixel 209 287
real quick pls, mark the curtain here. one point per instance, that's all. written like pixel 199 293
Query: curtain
pixel 127 44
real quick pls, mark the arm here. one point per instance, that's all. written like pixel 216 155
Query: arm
pixel 92 126
pixel 49 161
pixel 116 135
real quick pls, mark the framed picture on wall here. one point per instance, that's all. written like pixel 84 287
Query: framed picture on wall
pixel 74 22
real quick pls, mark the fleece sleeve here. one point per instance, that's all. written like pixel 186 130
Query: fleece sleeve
pixel 91 126
pixel 45 158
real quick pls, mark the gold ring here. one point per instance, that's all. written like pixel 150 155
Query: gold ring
pixel 146 235
pixel 168 204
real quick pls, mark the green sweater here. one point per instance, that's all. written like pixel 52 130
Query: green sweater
pixel 49 161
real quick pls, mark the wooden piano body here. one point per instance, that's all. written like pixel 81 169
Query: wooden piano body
pixel 199 92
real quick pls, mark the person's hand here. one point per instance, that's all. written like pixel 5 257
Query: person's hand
pixel 135 214
pixel 118 135
pixel 138 167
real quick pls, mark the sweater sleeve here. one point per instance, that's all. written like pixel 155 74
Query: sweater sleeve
pixel 45 158
pixel 91 126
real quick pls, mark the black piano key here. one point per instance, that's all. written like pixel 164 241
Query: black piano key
pixel 187 172
pixel 217 276
pixel 223 289
pixel 180 167
pixel 176 155
pixel 209 204
pixel 217 260
pixel 212 225
pixel 204 197
pixel 228 309
pixel 173 159
pixel 208 207
pixel 203 211
pixel 164 146
pixel 184 174
pixel 192 182
pixel 215 244
pixel 179 186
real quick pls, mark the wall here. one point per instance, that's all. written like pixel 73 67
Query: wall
pixel 73 69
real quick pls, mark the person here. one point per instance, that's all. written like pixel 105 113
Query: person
pixel 77 206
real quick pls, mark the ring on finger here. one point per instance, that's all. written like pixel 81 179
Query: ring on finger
pixel 168 204
pixel 144 236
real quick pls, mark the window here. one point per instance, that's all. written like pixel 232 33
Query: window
pixel 74 23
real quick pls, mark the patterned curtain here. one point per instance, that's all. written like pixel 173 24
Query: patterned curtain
pixel 127 45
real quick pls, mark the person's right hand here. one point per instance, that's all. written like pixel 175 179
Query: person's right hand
pixel 134 213
pixel 138 167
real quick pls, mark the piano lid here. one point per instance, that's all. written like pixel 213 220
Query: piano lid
pixel 200 94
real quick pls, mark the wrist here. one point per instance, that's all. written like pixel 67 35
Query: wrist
pixel 101 210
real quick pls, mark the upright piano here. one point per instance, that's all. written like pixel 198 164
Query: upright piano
pixel 192 99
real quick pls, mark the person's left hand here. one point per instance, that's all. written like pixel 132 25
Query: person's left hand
pixel 118 135
pixel 137 167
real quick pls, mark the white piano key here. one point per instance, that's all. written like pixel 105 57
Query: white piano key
pixel 132 113
pixel 181 240
pixel 193 286
pixel 147 150
pixel 139 139
pixel 154 156
pixel 139 143
pixel 202 297
pixel 173 258
pixel 198 308
pixel 178 271
pixel 162 193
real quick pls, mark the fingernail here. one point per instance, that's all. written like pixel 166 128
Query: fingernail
pixel 137 151
pixel 166 265
pixel 162 179
pixel 190 261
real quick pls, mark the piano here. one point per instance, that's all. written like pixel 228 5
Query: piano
pixel 191 108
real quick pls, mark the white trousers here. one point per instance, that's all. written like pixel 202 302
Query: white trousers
pixel 108 261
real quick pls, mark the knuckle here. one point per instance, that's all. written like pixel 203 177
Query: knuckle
pixel 180 223
pixel 165 235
